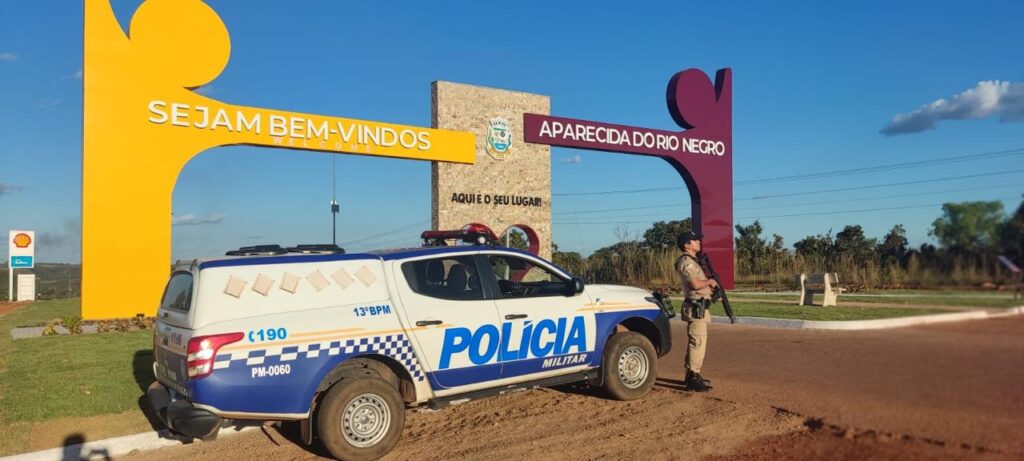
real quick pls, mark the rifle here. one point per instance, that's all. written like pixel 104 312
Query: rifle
pixel 705 264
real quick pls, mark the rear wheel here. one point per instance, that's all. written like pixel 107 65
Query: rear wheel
pixel 630 366
pixel 361 418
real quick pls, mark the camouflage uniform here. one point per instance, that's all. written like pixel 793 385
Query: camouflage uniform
pixel 697 329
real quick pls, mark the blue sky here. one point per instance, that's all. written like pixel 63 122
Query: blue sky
pixel 813 86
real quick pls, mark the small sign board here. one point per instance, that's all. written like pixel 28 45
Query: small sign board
pixel 26 287
pixel 22 262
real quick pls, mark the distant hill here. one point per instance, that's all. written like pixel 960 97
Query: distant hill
pixel 52 280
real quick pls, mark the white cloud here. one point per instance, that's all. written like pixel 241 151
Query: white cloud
pixel 988 98
pixel 77 75
pixel 7 188
pixel 205 90
pixel 8 57
pixel 193 220
pixel 574 159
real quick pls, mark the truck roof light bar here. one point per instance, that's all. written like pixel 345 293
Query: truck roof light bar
pixel 475 234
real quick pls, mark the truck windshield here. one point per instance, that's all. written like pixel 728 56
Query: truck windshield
pixel 178 294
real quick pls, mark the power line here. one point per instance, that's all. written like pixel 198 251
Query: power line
pixel 667 205
pixel 874 186
pixel 878 197
pixel 624 191
pixel 864 210
pixel 825 174
pixel 404 243
pixel 789 205
pixel 855 211
pixel 889 167
pixel 654 215
pixel 384 234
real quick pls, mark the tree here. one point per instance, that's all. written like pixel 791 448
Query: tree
pixel 516 239
pixel 663 234
pixel 606 264
pixel 894 245
pixel 1011 236
pixel 568 260
pixel 850 242
pixel 968 226
pixel 815 246
pixel 751 249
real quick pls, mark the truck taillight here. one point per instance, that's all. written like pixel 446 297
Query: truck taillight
pixel 202 350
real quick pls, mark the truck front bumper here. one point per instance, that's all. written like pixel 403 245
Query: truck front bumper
pixel 181 416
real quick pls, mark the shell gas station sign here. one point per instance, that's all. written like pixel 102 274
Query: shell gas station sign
pixel 21 249
pixel 21 254
pixel 143 122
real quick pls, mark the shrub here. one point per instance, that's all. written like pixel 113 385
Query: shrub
pixel 73 323
pixel 51 328
pixel 143 323
pixel 122 325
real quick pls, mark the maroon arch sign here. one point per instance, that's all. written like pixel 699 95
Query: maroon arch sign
pixel 701 153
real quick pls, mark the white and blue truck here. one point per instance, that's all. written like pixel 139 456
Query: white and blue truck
pixel 345 343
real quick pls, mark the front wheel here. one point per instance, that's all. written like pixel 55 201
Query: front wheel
pixel 630 366
pixel 361 419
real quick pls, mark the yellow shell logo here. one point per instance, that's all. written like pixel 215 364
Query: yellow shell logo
pixel 22 240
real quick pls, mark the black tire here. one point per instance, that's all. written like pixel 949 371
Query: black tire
pixel 373 425
pixel 630 366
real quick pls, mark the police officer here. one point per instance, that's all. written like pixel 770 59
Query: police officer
pixel 697 289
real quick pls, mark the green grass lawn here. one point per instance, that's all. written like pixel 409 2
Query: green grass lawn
pixel 68 376
pixel 756 309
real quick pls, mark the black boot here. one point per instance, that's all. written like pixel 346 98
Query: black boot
pixel 695 384
pixel 697 376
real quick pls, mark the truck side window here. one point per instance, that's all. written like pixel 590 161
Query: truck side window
pixel 178 294
pixel 521 278
pixel 452 278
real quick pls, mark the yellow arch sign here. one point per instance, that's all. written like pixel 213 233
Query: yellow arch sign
pixel 142 123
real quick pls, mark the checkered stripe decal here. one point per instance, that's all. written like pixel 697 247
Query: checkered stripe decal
pixel 394 346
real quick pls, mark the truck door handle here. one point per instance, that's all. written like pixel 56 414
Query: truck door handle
pixel 423 323
pixel 515 316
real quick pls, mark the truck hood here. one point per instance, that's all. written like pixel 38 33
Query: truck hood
pixel 616 293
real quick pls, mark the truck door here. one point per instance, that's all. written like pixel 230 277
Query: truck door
pixel 455 326
pixel 547 329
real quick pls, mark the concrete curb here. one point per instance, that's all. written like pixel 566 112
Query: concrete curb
pixel 876 324
pixel 117 446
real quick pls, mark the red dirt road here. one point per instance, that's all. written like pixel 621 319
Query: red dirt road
pixel 951 391
pixel 956 383
pixel 8 307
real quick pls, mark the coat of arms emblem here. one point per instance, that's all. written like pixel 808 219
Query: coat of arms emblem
pixel 499 138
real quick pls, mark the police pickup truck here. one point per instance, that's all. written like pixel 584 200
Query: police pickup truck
pixel 344 343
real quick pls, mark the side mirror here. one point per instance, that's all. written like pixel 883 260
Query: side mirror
pixel 574 286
